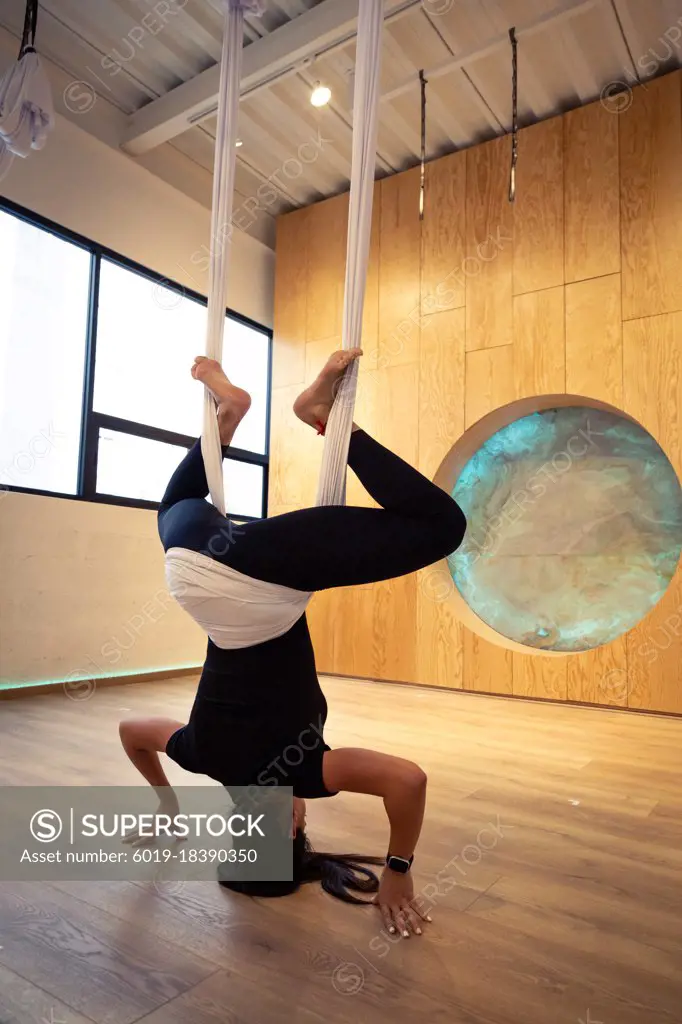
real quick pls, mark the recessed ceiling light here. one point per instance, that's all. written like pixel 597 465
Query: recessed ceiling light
pixel 239 143
pixel 320 95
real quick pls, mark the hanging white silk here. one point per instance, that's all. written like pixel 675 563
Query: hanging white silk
pixel 221 225
pixel 26 110
pixel 332 484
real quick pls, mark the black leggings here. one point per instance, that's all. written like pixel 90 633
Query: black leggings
pixel 256 703
pixel 330 546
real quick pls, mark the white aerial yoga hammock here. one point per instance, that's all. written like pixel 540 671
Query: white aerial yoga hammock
pixel 26 111
pixel 332 486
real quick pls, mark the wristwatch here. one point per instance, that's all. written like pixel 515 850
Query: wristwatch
pixel 399 864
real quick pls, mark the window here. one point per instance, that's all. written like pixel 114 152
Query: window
pixel 44 286
pixel 95 353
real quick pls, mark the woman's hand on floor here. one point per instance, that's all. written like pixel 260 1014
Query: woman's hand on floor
pixel 169 807
pixel 395 902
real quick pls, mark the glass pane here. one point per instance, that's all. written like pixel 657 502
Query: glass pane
pixel 243 488
pixel 44 286
pixel 135 467
pixel 147 338
pixel 245 359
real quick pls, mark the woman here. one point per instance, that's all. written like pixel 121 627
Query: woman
pixel 259 695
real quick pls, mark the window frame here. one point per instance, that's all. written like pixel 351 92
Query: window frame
pixel 92 421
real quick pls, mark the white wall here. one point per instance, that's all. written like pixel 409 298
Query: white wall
pixel 83 590
pixel 82 184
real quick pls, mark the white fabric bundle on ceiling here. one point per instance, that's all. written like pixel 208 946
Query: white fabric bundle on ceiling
pixel 26 110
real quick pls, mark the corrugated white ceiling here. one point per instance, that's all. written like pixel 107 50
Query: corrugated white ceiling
pixel 569 61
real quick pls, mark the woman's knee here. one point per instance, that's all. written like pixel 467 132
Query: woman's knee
pixel 452 526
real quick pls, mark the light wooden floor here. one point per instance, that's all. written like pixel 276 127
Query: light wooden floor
pixel 570 912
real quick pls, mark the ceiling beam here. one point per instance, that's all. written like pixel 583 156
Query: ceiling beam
pixel 296 43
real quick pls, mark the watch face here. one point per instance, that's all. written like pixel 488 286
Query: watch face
pixel 398 864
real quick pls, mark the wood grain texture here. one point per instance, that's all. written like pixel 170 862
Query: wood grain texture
pixel 487 666
pixel 652 373
pixel 295 456
pixel 84 959
pixel 489 381
pixel 444 234
pixel 24 1003
pixel 400 270
pixel 559 248
pixel 592 201
pixel 539 343
pixel 539 208
pixel 550 855
pixel 594 340
pixel 535 676
pixel 651 199
pixel 654 663
pixel 441 387
pixel 326 268
pixel 653 395
pixel 487 269
pixel 440 648
pixel 291 298
pixel 599 676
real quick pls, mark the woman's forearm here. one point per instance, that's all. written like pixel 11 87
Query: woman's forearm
pixel 405 803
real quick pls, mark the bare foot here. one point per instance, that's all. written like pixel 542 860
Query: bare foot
pixel 314 404
pixel 233 402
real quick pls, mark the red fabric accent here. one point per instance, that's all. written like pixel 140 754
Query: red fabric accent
pixel 320 427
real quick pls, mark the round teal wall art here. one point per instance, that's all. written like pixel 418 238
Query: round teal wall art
pixel 574 528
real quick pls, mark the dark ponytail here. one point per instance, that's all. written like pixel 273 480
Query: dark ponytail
pixel 340 874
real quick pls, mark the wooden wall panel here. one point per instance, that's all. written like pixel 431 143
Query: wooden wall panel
pixel 592 202
pixel 441 387
pixel 489 250
pixel 539 208
pixel 295 454
pixel 651 199
pixel 654 662
pixel 599 676
pixel 440 647
pixel 326 268
pixel 291 298
pixel 539 343
pixel 652 371
pixel 653 395
pixel 535 676
pixel 487 666
pixel 594 340
pixel 426 377
pixel 444 234
pixel 399 270
pixel 489 380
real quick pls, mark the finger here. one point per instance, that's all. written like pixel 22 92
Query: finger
pixel 422 913
pixel 413 919
pixel 385 916
pixel 401 922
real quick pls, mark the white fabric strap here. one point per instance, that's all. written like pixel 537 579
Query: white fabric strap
pixel 26 110
pixel 221 225
pixel 332 485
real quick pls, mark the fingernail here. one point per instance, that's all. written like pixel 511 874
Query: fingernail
pixel 392 930
pixel 419 931
pixel 429 918
pixel 406 935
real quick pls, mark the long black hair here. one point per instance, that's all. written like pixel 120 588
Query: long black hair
pixel 340 874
